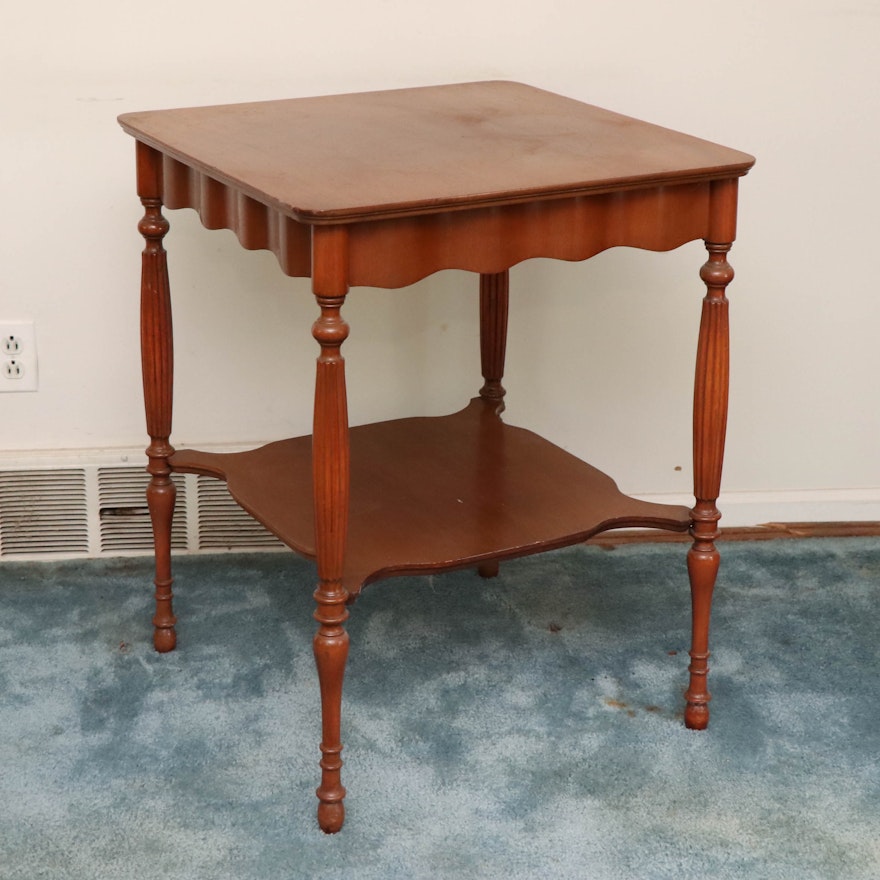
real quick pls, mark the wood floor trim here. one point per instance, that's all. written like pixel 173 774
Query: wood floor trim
pixel 765 532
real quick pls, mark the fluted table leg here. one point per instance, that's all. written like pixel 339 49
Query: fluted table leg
pixel 710 425
pixel 493 335
pixel 330 455
pixel 158 368
pixel 494 292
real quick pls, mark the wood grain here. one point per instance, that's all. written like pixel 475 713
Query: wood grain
pixel 373 155
pixel 438 493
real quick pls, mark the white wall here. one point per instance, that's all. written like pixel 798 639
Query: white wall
pixel 600 352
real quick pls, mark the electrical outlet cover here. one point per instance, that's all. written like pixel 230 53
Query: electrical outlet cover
pixel 18 356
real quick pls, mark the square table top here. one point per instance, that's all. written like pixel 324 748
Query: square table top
pixel 374 155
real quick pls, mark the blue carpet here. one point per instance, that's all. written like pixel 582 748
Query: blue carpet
pixel 523 727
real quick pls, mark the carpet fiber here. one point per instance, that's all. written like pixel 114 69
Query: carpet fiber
pixel 523 727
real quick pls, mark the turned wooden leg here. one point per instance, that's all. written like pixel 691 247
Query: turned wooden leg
pixel 330 455
pixel 494 290
pixel 703 561
pixel 493 336
pixel 710 425
pixel 161 496
pixel 331 653
pixel 489 569
pixel 158 368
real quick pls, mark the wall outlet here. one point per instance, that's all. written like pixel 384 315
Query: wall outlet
pixel 18 356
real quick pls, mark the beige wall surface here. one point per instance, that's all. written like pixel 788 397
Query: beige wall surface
pixel 600 356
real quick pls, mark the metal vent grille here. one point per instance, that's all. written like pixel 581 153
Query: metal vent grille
pixel 124 515
pixel 223 524
pixel 74 508
pixel 43 511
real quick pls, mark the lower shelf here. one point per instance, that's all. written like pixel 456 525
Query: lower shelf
pixel 435 493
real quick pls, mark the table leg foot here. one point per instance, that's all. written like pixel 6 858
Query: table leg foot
pixel 164 639
pixel 489 569
pixel 331 817
pixel 696 716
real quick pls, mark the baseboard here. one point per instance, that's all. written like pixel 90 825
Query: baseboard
pixel 752 509
pixel 766 532
pixel 763 516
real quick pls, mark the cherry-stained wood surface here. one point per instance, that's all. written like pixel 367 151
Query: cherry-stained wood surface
pixel 382 189
pixel 377 155
pixel 475 176
pixel 435 493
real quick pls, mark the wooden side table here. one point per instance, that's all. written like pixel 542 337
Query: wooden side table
pixel 382 189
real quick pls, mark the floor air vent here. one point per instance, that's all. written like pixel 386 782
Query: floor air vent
pixel 43 512
pixel 98 509
pixel 223 524
pixel 124 515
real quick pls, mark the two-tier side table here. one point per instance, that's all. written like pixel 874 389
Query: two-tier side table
pixel 382 189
